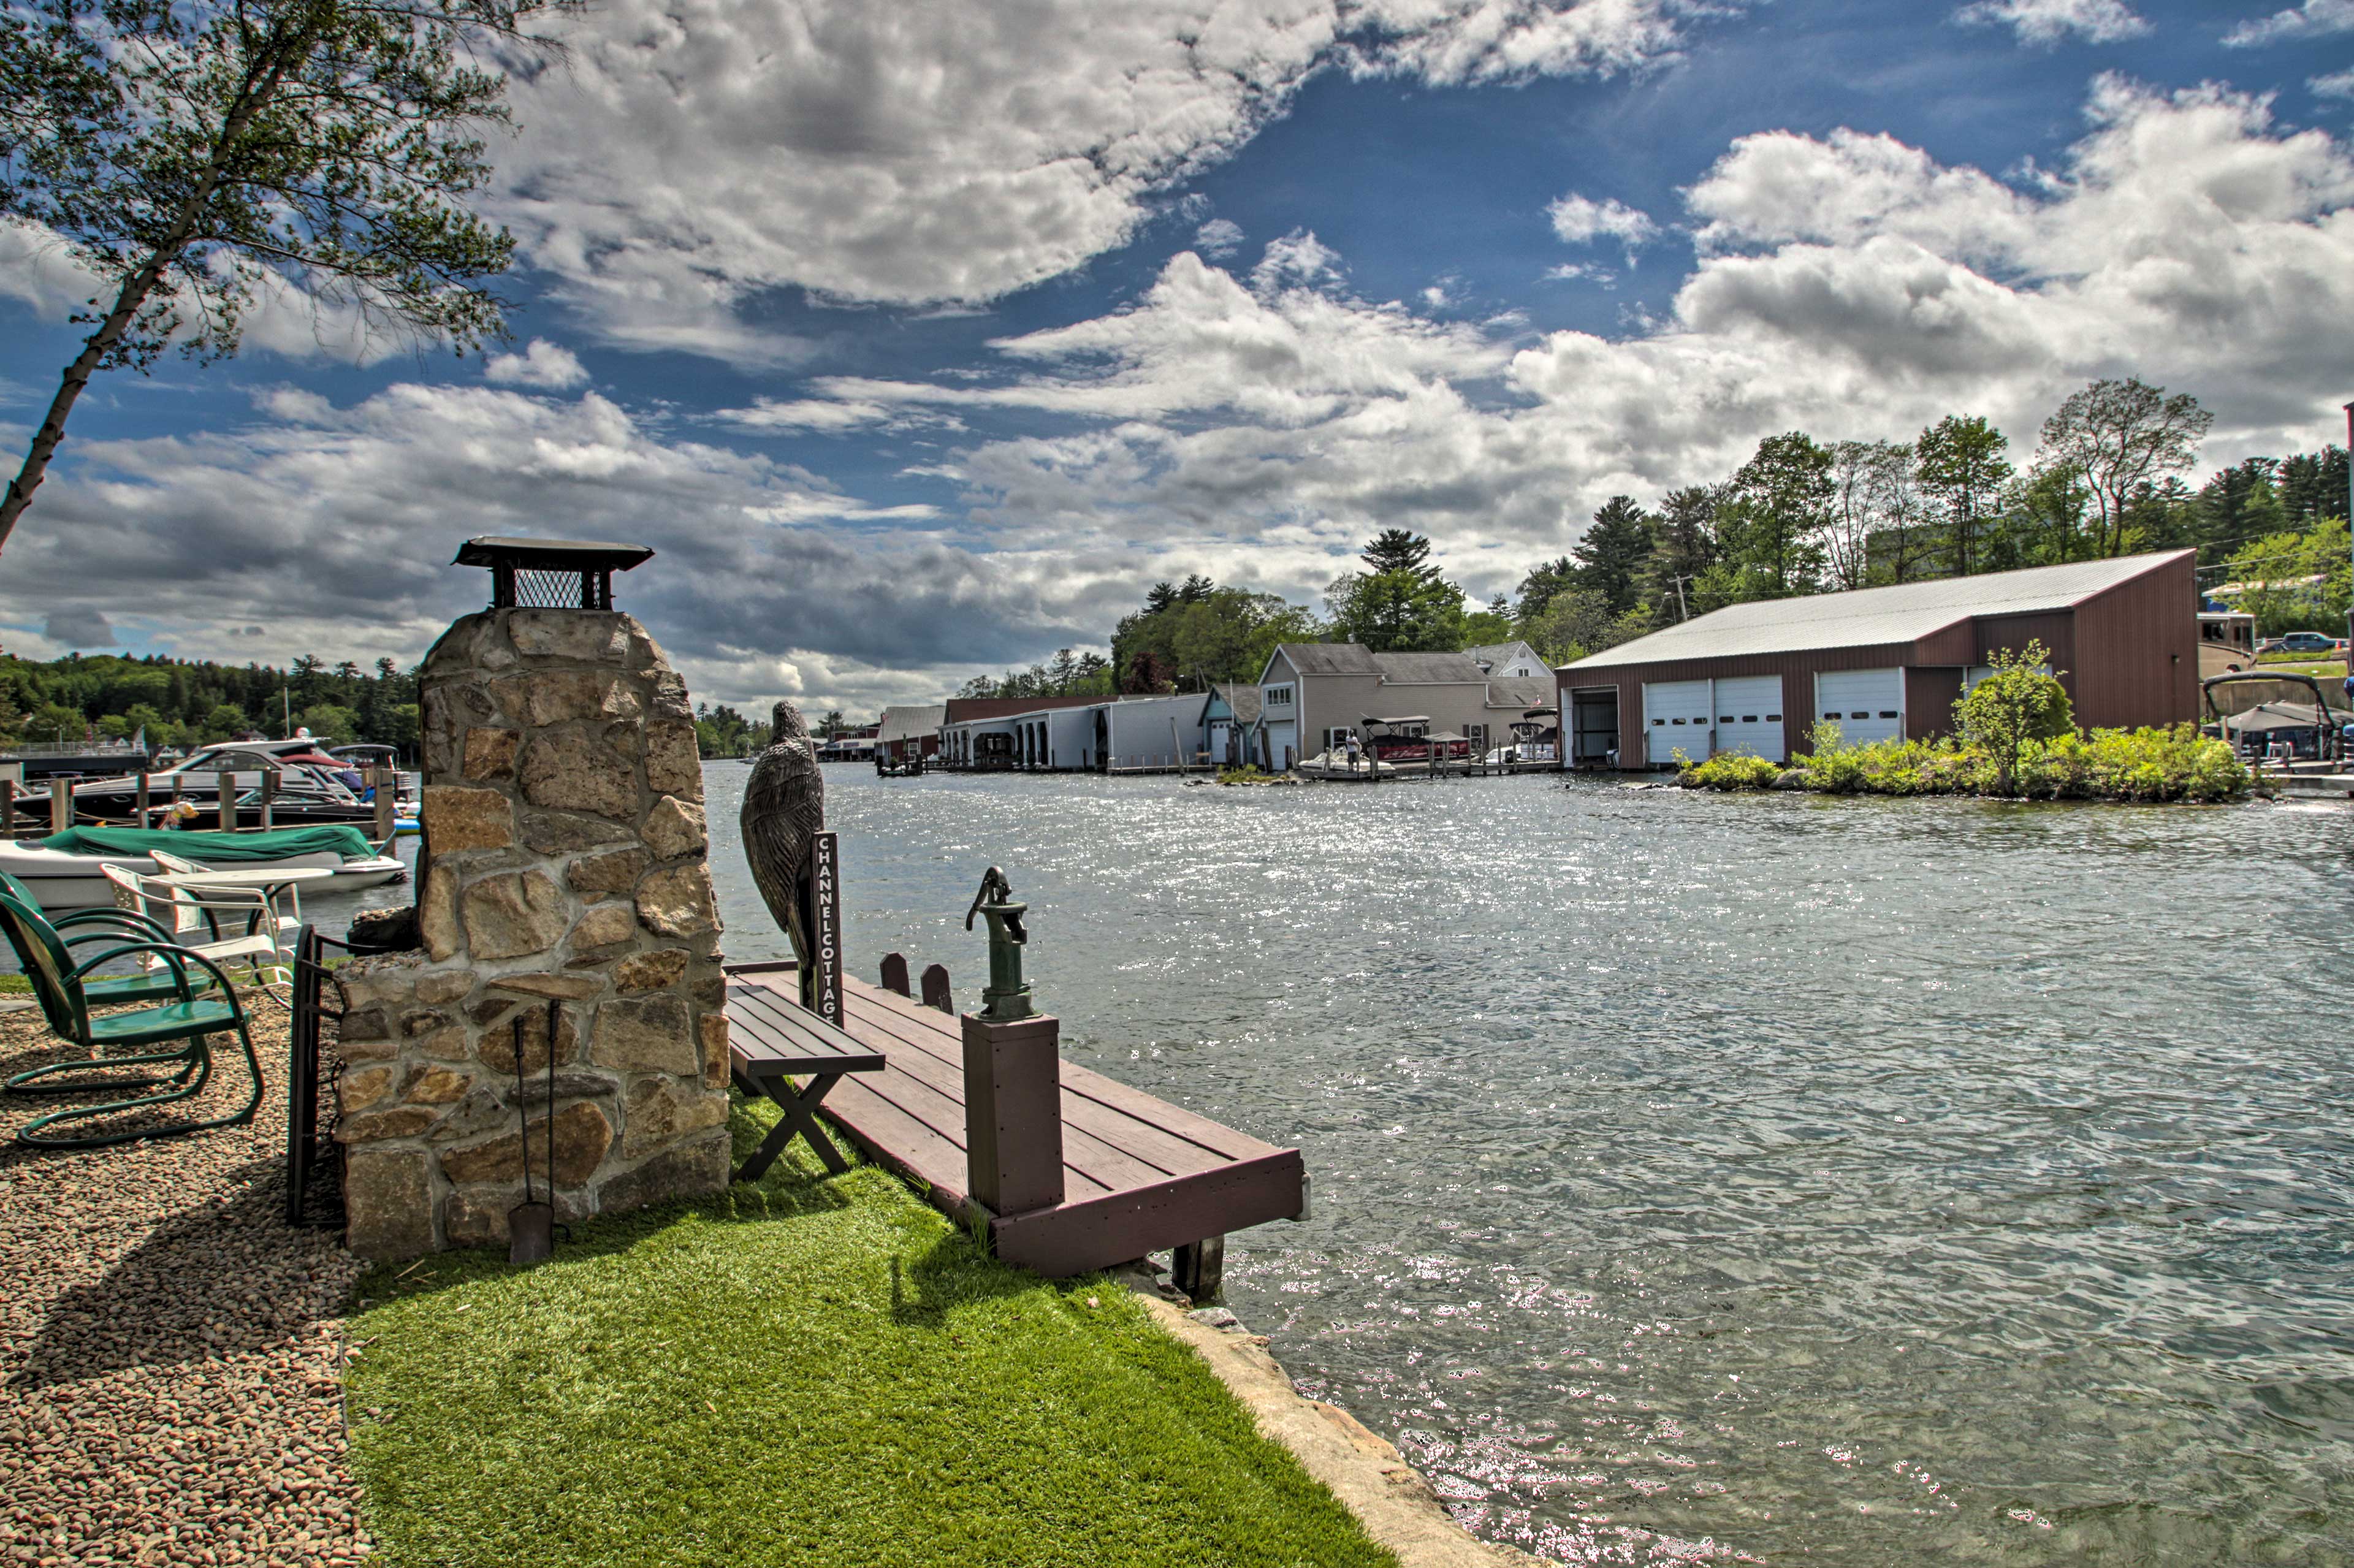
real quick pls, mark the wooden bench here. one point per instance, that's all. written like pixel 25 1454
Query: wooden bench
pixel 1139 1175
pixel 772 1040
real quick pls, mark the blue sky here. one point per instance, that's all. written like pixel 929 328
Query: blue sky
pixel 920 340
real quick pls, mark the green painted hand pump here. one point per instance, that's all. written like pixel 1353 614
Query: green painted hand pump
pixel 1007 997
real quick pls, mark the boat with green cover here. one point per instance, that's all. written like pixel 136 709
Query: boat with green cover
pixel 64 871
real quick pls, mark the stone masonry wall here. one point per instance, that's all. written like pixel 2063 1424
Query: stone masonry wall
pixel 564 863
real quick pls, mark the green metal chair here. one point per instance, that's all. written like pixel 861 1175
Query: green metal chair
pixel 190 1021
pixel 81 927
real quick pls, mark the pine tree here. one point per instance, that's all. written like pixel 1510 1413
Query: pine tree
pixel 1399 550
pixel 1610 557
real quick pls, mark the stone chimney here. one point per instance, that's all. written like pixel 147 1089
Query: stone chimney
pixel 564 877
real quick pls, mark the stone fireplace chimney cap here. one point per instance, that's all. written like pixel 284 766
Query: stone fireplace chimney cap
pixel 551 573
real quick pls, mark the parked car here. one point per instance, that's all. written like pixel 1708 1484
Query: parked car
pixel 2303 642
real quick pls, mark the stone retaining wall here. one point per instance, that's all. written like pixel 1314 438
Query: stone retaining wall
pixel 564 907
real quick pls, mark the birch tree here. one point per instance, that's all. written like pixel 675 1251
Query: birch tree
pixel 191 155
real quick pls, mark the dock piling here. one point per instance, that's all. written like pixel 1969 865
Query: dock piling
pixel 895 973
pixel 386 783
pixel 936 988
pixel 268 798
pixel 225 791
pixel 61 800
pixel 144 796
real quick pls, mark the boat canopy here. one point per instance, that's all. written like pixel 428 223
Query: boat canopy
pixel 1409 719
pixel 216 849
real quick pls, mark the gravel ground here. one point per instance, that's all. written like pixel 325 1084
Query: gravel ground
pixel 170 1350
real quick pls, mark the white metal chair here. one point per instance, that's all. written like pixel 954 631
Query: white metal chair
pixel 176 865
pixel 264 945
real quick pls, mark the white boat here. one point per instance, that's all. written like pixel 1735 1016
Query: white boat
pixel 1335 765
pixel 60 879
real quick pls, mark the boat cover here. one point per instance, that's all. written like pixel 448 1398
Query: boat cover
pixel 215 848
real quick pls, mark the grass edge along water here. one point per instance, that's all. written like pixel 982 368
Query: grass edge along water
pixel 824 1373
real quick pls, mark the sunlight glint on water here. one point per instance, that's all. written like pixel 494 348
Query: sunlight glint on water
pixel 1726 1179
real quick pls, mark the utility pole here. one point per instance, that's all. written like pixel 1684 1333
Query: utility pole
pixel 1684 611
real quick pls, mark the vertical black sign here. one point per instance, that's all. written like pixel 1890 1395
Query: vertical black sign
pixel 825 875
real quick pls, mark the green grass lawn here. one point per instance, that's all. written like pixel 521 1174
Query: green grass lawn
pixel 806 1373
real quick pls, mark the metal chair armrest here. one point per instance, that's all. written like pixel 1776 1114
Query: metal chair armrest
pixel 131 918
pixel 179 958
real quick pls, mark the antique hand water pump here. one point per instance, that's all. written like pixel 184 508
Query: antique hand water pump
pixel 1006 1000
pixel 1013 1076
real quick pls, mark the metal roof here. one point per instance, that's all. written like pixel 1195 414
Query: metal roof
pixel 1523 691
pixel 1241 701
pixel 1865 617
pixel 911 724
pixel 560 555
pixel 1328 658
pixel 1429 669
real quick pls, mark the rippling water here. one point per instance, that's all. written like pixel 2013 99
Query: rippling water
pixel 1748 1179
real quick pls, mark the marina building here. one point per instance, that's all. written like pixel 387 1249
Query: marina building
pixel 906 734
pixel 1888 662
pixel 1314 696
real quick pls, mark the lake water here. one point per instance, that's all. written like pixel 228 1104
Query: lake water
pixel 1712 1179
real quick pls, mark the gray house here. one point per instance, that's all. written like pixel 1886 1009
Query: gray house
pixel 1313 695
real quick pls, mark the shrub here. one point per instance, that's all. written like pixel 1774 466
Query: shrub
pixel 2161 764
pixel 1733 770
pixel 2013 708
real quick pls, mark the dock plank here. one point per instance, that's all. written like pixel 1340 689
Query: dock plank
pixel 1140 1174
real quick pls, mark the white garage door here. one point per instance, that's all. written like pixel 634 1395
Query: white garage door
pixel 1867 704
pixel 1749 716
pixel 1676 718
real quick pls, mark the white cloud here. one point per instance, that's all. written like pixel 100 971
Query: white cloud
pixel 2051 21
pixel 1218 239
pixel 1849 285
pixel 37 269
pixel 689 158
pixel 2314 19
pixel 333 527
pixel 1579 220
pixel 542 363
pixel 1296 258
pixel 2336 84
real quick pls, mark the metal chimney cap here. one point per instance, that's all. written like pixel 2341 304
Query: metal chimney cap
pixel 551 555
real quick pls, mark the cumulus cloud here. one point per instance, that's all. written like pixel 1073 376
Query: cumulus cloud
pixel 79 628
pixel 689 159
pixel 1218 239
pixel 1848 284
pixel 37 269
pixel 1579 220
pixel 2314 19
pixel 2049 21
pixel 334 526
pixel 542 364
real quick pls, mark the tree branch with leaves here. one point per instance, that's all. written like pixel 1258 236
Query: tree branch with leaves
pixel 191 152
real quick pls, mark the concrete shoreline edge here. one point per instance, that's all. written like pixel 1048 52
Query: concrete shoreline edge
pixel 1389 1497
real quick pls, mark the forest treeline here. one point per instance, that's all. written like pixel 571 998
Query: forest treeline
pixel 185 702
pixel 1801 516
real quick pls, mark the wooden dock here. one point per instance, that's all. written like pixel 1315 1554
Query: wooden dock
pixel 1140 1174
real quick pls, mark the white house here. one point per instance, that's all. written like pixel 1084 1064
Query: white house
pixel 1510 660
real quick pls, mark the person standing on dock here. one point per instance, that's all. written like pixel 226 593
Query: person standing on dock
pixel 1353 749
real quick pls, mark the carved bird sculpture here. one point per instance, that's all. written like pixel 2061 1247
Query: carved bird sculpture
pixel 784 810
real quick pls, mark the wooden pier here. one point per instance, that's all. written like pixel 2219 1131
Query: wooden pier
pixel 1139 1175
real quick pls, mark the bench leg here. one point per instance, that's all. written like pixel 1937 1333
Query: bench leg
pixel 1198 1268
pixel 797 1119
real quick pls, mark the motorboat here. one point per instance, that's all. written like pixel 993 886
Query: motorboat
pixel 1336 765
pixel 2270 713
pixel 313 787
pixel 66 871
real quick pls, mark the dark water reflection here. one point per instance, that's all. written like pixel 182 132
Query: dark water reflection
pixel 1745 1178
